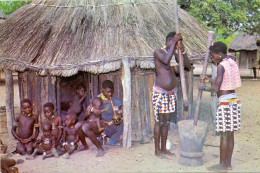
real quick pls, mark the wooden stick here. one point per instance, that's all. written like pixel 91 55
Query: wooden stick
pixel 126 82
pixel 9 100
pixel 213 94
pixel 181 66
pixel 196 115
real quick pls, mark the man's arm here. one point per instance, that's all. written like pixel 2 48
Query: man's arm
pixel 164 58
pixel 186 61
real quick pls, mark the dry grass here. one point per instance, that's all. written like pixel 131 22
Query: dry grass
pixel 64 36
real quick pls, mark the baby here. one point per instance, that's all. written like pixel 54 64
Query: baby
pixel 45 145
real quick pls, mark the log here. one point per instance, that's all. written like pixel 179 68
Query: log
pixel 126 83
pixel 180 58
pixel 204 70
pixel 9 100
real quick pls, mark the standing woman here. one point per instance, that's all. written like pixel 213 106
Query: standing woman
pixel 228 111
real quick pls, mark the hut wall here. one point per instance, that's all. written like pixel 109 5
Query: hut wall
pixel 38 89
pixel 246 59
pixel 142 118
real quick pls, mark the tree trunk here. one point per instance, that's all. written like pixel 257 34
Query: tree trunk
pixel 126 82
pixel 9 100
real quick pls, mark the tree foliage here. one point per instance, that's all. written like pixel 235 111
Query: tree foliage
pixel 8 6
pixel 226 16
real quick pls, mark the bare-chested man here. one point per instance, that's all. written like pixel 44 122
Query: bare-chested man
pixel 23 128
pixel 55 120
pixel 163 94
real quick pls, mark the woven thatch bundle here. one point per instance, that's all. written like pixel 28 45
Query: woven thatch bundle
pixel 244 41
pixel 65 36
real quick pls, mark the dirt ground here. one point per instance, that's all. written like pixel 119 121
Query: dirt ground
pixel 140 157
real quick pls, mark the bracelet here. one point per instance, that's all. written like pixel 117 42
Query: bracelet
pixel 91 109
pixel 72 143
pixel 184 52
pixel 64 143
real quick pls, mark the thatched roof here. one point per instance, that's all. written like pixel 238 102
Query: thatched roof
pixel 65 36
pixel 244 41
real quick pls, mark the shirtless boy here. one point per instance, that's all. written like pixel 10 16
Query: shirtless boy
pixel 23 128
pixel 163 90
pixel 45 145
pixel 55 120
pixel 76 106
pixel 70 137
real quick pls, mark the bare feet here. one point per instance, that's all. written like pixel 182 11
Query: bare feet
pixel 168 153
pixel 19 161
pixel 217 168
pixel 160 155
pixel 229 167
pixel 100 153
pixel 65 156
pixel 30 158
pixel 83 148
pixel 55 153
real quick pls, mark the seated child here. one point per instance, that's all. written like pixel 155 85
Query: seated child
pixel 76 106
pixel 93 117
pixel 45 145
pixel 7 165
pixel 70 137
pixel 23 128
pixel 56 122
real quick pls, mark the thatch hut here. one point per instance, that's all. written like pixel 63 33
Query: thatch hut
pixel 248 47
pixel 54 45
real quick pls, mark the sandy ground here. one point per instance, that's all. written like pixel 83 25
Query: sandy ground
pixel 140 157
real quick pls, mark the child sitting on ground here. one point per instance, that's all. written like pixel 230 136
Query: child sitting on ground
pixel 7 165
pixel 45 145
pixel 23 128
pixel 56 122
pixel 70 137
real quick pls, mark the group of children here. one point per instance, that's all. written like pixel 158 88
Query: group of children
pixel 56 140
pixel 49 144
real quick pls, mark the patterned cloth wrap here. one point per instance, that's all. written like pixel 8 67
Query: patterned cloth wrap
pixel 163 101
pixel 228 113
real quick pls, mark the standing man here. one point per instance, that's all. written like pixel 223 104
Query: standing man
pixel 163 94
